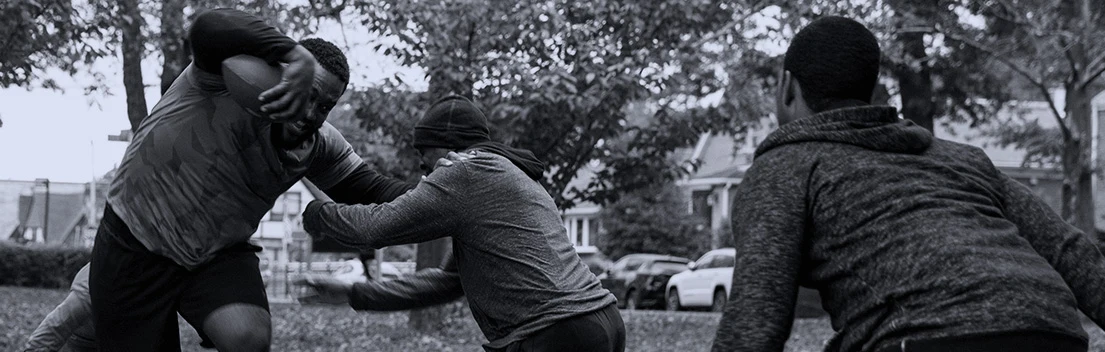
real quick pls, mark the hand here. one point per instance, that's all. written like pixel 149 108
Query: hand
pixel 330 290
pixel 290 99
pixel 449 160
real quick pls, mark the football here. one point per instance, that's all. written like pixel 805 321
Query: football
pixel 246 77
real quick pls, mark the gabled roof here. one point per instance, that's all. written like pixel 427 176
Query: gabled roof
pixel 722 161
pixel 66 211
pixel 10 190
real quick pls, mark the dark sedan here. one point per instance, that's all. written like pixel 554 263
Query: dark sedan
pixel 638 280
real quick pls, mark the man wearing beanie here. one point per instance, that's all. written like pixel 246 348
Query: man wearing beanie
pixel 526 286
pixel 915 243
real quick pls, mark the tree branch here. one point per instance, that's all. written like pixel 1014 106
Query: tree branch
pixel 1093 71
pixel 1038 83
pixel 1002 15
pixel 1066 48
pixel 754 9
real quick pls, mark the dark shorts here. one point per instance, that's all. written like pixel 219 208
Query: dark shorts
pixel 599 331
pixel 136 294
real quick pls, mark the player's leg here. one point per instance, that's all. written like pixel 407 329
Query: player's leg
pixel 133 292
pixel 225 299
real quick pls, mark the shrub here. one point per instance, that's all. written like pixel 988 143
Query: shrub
pixel 653 220
pixel 36 265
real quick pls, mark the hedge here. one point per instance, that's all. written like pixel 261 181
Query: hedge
pixel 37 265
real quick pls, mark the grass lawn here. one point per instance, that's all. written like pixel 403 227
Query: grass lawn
pixel 329 328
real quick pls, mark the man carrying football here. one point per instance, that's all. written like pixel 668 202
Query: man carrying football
pixel 196 180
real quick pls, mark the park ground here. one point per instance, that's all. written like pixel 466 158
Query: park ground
pixel 330 328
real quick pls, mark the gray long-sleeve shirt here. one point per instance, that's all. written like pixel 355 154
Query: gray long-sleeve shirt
pixel 70 323
pixel 905 236
pixel 424 288
pixel 517 268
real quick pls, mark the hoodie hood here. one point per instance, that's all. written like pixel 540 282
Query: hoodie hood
pixel 523 159
pixel 871 127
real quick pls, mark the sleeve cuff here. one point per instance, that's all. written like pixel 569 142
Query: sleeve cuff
pixel 311 218
pixel 355 295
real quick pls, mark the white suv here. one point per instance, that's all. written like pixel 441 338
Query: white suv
pixel 707 284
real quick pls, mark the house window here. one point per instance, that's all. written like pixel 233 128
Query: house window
pixel 700 204
pixel 580 230
pixel 287 206
pixel 34 234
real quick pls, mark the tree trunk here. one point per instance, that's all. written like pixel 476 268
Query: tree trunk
pixel 1099 191
pixel 1078 205
pixel 130 24
pixel 915 82
pixel 430 255
pixel 174 48
pixel 915 73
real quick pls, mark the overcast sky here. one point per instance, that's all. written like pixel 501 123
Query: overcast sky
pixel 60 136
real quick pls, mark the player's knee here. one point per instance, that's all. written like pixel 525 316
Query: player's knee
pixel 257 338
pixel 239 328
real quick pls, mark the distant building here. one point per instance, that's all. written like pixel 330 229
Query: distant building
pixel 65 216
pixel 582 221
pixel 724 161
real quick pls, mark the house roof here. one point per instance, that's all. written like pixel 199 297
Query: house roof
pixel 66 211
pixel 10 190
pixel 722 160
pixel 733 172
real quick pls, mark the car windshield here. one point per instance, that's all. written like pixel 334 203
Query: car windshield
pixel 668 266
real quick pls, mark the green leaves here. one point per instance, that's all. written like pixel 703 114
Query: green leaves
pixel 556 77
pixel 653 220
pixel 36 35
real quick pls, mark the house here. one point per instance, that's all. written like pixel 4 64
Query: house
pixel 582 221
pixel 281 233
pixel 725 159
pixel 30 214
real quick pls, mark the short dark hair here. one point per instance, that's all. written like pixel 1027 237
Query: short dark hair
pixel 834 58
pixel 328 56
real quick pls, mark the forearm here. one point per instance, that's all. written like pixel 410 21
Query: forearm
pixel 760 312
pixel 365 186
pixel 222 33
pixel 369 225
pixel 59 325
pixel 1073 254
pixel 424 288
pixel 768 223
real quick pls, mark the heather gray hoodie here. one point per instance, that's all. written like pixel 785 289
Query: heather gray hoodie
pixel 905 236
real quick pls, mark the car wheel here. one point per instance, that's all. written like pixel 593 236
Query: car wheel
pixel 719 301
pixel 632 300
pixel 673 300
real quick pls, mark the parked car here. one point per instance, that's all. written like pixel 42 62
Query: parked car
pixel 707 284
pixel 352 271
pixel 596 262
pixel 639 280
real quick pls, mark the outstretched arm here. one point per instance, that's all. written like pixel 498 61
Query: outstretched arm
pixel 1072 253
pixel 427 287
pixel 424 288
pixel 73 313
pixel 768 225
pixel 344 177
pixel 59 325
pixel 427 212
